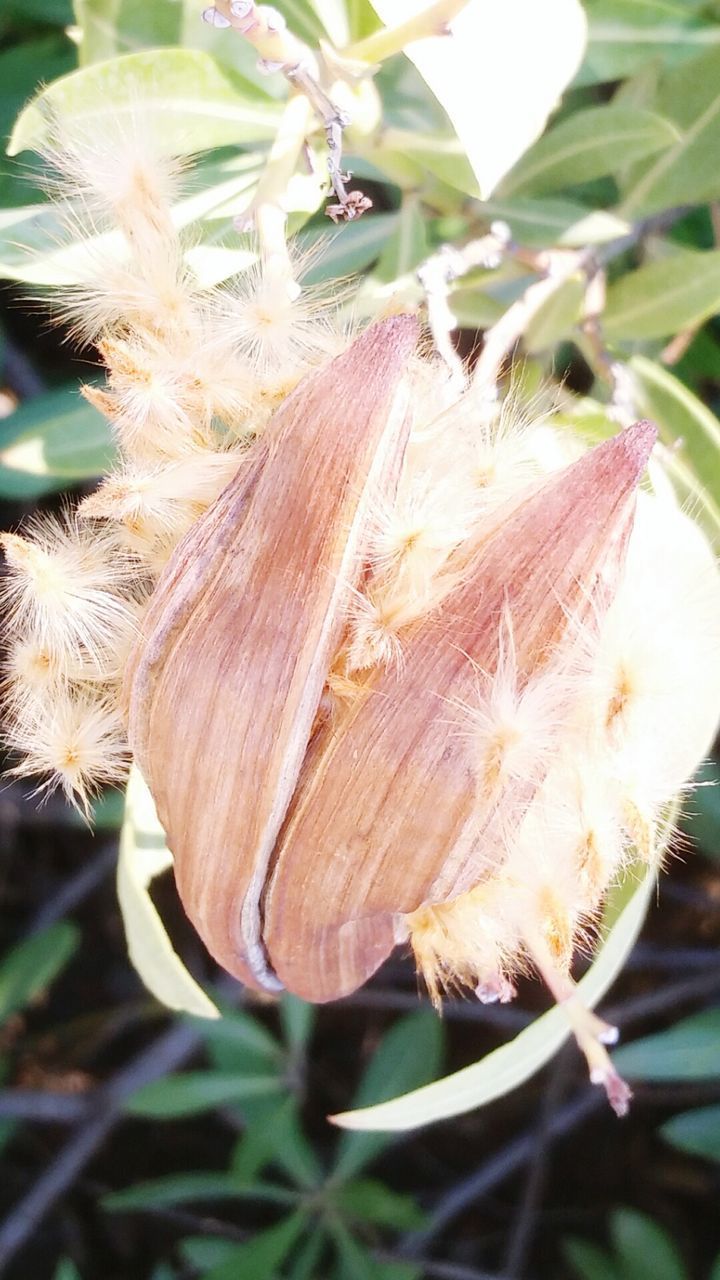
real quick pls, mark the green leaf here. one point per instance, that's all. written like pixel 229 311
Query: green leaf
pixel 589 1262
pixel 356 1263
pixel 342 251
pixel 203 1252
pixel 143 856
pixel 685 423
pixel 51 442
pixel 190 1093
pixel 507 1067
pixel 697 1132
pixel 539 223
pixel 689 1050
pixel 407 247
pixel 663 297
pixel 408 1055
pixel 236 1036
pixel 627 34
pixel 260 1258
pixel 57 12
pixel 67 1271
pixel 33 964
pixel 687 171
pixel 190 101
pixel 370 1201
pixel 20 67
pixel 273 1136
pixel 307 1257
pixel 643 1248
pixel 183 1188
pixel 589 144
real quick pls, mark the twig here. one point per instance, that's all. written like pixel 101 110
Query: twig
pixel 74 891
pixel 520 1235
pixel 43 1106
pixel 279 50
pixel 440 271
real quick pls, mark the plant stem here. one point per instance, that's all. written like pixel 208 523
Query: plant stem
pixel 383 44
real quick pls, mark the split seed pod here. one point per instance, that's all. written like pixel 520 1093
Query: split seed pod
pixel 304 841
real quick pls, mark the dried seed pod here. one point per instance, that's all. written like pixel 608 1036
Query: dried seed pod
pixel 241 631
pixel 297 857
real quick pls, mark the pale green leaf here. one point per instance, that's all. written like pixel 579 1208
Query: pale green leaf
pixel 500 73
pixel 696 1131
pixel 663 297
pixel 191 102
pixel 505 1068
pixel 685 423
pixel 33 964
pixel 627 34
pixel 144 855
pixel 687 172
pixel 586 145
pixel 553 221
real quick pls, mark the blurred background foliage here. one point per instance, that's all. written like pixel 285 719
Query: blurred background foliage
pixel 136 1145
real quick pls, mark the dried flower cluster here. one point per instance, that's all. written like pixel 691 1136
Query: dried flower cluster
pixel 396 667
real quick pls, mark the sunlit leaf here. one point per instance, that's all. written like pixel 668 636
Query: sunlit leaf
pixel 143 856
pixel 685 422
pixel 687 172
pixel 663 297
pixel 586 145
pixel 50 442
pixel 627 34
pixel 542 221
pixel 505 1068
pixel 505 67
pixel 187 98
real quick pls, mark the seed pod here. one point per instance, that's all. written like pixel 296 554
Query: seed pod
pixel 298 854
pixel 241 632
